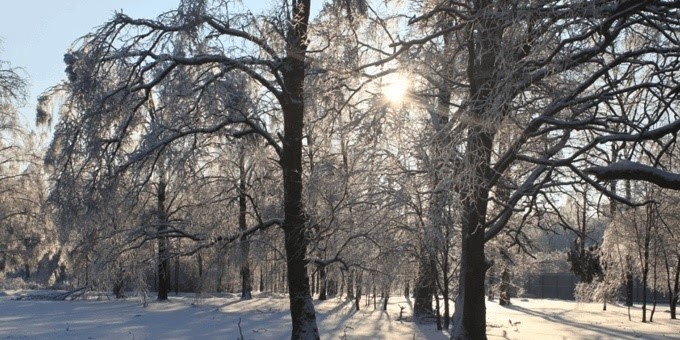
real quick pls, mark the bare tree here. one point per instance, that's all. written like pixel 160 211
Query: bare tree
pixel 547 68
pixel 117 71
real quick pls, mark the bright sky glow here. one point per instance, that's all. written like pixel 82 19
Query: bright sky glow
pixel 395 88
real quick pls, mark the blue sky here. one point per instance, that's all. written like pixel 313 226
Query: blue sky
pixel 36 33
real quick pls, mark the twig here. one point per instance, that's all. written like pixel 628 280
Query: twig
pixel 239 330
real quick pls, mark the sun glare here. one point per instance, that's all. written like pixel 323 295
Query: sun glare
pixel 395 88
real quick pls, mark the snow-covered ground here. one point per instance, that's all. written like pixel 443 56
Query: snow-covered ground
pixel 266 317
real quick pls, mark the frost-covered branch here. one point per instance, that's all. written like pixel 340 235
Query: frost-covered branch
pixel 628 170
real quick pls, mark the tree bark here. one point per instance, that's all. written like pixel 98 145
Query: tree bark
pixel 261 279
pixel 246 277
pixel 438 314
pixel 483 42
pixel 163 247
pixel 674 294
pixel 322 283
pixel 469 321
pixel 645 259
pixel 504 298
pixel 629 287
pixel 425 286
pixel 292 105
pixel 179 248
pixel 386 297
pixel 350 285
pixel 357 297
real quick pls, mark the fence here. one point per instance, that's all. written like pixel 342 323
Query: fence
pixel 551 286
pixel 561 286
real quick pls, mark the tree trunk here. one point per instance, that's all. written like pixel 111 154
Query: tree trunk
pixel 490 282
pixel 386 297
pixel 246 277
pixel 163 247
pixel 119 283
pixel 312 287
pixel 654 300
pixel 674 294
pixel 246 283
pixel 357 298
pixel 445 283
pixel 645 260
pixel 350 285
pixel 292 105
pixel 375 298
pixel 504 298
pixel 199 262
pixel 629 287
pixel 323 291
pixel 645 272
pixel 179 247
pixel 437 311
pixel 425 286
pixel 469 321
pixel 407 291
pixel 261 279
pixel 483 45
pixel 654 280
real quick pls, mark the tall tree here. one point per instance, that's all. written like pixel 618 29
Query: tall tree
pixel 546 68
pixel 145 55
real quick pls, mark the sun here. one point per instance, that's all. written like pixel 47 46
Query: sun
pixel 395 88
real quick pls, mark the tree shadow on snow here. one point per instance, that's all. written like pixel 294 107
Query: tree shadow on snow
pixel 605 332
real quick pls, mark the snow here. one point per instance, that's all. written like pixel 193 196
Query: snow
pixel 631 170
pixel 556 319
pixel 267 317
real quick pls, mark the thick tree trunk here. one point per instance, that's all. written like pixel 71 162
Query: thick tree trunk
pixel 119 283
pixel 292 105
pixel 163 247
pixel 424 287
pixel 163 266
pixel 322 283
pixel 469 321
pixel 386 297
pixel 485 112
pixel 504 298
pixel 491 281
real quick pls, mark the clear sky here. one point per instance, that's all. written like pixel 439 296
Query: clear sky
pixel 36 33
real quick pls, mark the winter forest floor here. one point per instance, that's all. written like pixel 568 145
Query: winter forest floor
pixel 266 317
